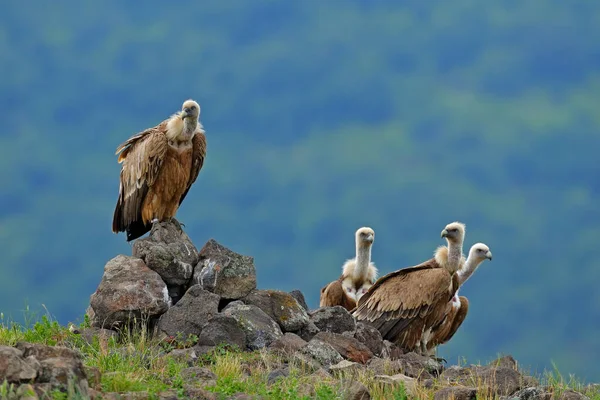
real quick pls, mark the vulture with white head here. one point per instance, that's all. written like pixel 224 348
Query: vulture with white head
pixel 457 308
pixel 358 274
pixel 404 305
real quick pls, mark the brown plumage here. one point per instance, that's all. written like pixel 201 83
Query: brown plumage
pixel 159 165
pixel 458 307
pixel 358 274
pixel 404 305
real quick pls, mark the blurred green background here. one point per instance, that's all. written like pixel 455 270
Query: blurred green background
pixel 321 117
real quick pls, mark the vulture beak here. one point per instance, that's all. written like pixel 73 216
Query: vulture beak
pixel 185 113
pixel 488 255
pixel 444 233
pixel 369 238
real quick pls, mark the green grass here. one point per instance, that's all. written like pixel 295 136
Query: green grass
pixel 135 362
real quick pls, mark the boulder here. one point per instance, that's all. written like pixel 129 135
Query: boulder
pixel 277 374
pixel 370 337
pixel 354 390
pixel 321 352
pixel 61 372
pixel 410 364
pixel 224 272
pixel 195 393
pixel 169 252
pixel 456 393
pixel 308 331
pixel 259 328
pixel 190 314
pixel 410 384
pixel 346 367
pixel 333 319
pixel 91 334
pixel 199 375
pixel 348 347
pixel 530 393
pixel 128 289
pixel 14 368
pixel 296 294
pixel 281 307
pixel 288 343
pixel 496 381
pixel 223 329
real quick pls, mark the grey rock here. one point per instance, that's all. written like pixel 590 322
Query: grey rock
pixel 456 393
pixel 288 343
pixel 190 314
pixel 223 329
pixel 196 393
pixel 354 390
pixel 309 331
pixel 187 356
pixel 346 367
pixel 128 290
pixel 13 366
pixel 276 374
pixel 321 352
pixel 370 337
pixel 42 352
pixel 281 307
pixel 259 328
pixel 498 381
pixel 200 375
pixel 504 361
pixel 26 392
pixel 572 395
pixel 410 364
pixel 333 319
pixel 224 272
pixel 348 347
pixel 409 384
pixel 59 372
pixel 169 252
pixel 530 393
pixel 300 299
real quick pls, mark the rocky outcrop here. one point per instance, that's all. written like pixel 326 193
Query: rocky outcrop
pixel 42 369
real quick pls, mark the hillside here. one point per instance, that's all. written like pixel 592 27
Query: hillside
pixel 321 117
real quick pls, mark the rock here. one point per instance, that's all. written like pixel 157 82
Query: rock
pixel 190 314
pixel 223 329
pixel 322 352
pixel 129 289
pixel 14 368
pixel 348 347
pixel 355 390
pixel 94 377
pixel 26 392
pixel 572 395
pixel 259 328
pixel 500 381
pixel 288 343
pixel 169 252
pixel 410 384
pixel 333 319
pixel 306 391
pixel 281 307
pixel 224 272
pixel 391 351
pixel 345 367
pixel 530 393
pixel 370 337
pixel 504 361
pixel 42 352
pixel 90 335
pixel 276 374
pixel 296 294
pixel 196 393
pixel 187 356
pixel 309 331
pixel 61 372
pixel 204 376
pixel 170 394
pixel 411 364
pixel 456 393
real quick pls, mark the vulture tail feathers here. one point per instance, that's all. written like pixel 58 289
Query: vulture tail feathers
pixel 137 229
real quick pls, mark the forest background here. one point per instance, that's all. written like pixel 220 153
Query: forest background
pixel 321 117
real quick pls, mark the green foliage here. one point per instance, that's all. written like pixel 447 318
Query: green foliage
pixel 321 117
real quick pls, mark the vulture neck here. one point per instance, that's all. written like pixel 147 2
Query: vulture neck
pixel 363 259
pixel 454 254
pixel 189 127
pixel 470 266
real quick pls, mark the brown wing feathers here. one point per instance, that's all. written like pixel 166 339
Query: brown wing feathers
pixel 198 154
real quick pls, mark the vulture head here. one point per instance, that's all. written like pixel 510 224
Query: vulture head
pixel 190 109
pixel 480 252
pixel 365 237
pixel 454 232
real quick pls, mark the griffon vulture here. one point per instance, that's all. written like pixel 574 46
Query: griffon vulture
pixel 358 274
pixel 404 305
pixel 159 165
pixel 457 308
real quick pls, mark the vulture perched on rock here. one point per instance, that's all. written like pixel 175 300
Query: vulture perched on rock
pixel 358 274
pixel 159 165
pixel 457 308
pixel 405 305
